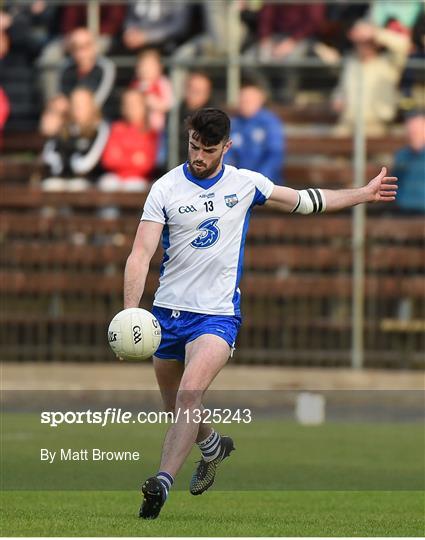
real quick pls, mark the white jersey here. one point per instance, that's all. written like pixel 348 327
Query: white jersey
pixel 205 225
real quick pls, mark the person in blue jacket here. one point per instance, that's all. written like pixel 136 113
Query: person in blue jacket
pixel 257 134
pixel 409 166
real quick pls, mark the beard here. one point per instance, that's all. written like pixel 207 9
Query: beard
pixel 204 172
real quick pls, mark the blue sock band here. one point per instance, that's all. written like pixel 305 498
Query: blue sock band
pixel 166 480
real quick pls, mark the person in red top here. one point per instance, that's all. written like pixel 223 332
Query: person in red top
pixel 131 151
pixel 4 108
pixel 155 86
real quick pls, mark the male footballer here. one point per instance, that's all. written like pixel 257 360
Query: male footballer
pixel 201 209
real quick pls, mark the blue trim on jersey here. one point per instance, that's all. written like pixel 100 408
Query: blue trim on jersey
pixel 205 183
pixel 260 199
pixel 165 243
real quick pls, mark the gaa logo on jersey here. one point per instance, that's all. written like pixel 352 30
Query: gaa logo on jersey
pixel 231 200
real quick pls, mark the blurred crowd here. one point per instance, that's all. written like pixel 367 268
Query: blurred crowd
pixel 90 141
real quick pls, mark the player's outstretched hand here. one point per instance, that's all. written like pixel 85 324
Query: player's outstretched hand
pixel 382 188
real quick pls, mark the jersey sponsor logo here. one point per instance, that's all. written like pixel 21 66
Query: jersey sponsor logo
pixel 209 234
pixel 231 200
pixel 187 209
pixel 207 195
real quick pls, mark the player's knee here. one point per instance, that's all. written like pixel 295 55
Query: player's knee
pixel 188 398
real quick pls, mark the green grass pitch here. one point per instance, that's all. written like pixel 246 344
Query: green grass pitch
pixel 218 513
pixel 338 479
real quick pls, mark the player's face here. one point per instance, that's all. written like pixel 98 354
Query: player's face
pixel 205 161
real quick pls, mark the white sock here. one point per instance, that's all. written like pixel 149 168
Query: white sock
pixel 210 447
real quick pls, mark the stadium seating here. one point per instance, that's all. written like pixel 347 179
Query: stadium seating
pixel 18 165
pixel 62 280
pixel 61 275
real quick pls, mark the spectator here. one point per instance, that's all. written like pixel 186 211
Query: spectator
pixel 257 134
pixel 4 112
pixel 130 153
pixel 16 78
pixel 418 33
pixel 72 17
pixel 55 117
pixel 197 95
pixel 86 68
pixel 73 156
pixel 210 24
pixel 286 30
pixel 396 16
pixel 155 86
pixel 156 23
pixel 249 11
pixel 30 25
pixel 4 108
pixel 4 100
pixel 413 82
pixel 409 166
pixel 333 41
pixel 380 73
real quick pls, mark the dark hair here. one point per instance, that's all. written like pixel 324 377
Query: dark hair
pixel 199 73
pixel 252 79
pixel 211 125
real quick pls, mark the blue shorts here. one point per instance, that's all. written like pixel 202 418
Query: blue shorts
pixel 181 327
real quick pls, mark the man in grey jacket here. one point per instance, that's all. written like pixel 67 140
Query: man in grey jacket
pixel 156 23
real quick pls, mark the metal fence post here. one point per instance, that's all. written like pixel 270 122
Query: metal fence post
pixel 233 44
pixel 93 16
pixel 173 142
pixel 358 232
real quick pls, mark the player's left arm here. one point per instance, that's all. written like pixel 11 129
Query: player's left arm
pixel 382 188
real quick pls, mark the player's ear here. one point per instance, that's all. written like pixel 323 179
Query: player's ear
pixel 227 146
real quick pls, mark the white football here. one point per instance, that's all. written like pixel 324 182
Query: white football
pixel 134 334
